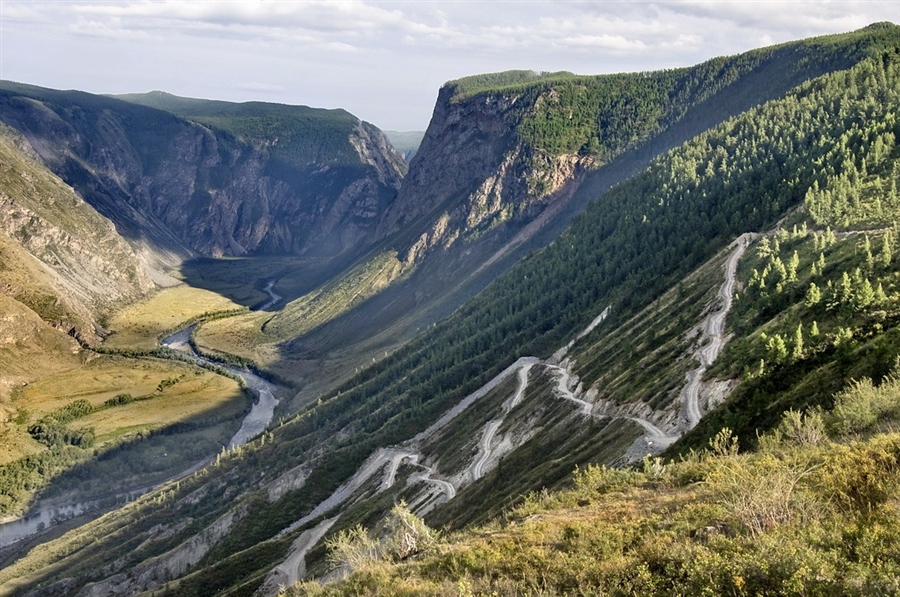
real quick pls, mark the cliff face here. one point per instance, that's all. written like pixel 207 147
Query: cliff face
pixel 181 186
pixel 473 175
pixel 58 256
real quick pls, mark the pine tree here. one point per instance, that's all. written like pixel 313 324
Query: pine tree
pixel 867 248
pixel 793 264
pixel 845 289
pixel 763 250
pixel 814 329
pixel 777 347
pixel 797 352
pixel 885 255
pixel 813 295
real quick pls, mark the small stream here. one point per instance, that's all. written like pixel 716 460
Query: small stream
pixel 254 423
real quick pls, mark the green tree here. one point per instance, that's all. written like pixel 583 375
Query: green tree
pixel 886 254
pixel 797 351
pixel 793 264
pixel 813 295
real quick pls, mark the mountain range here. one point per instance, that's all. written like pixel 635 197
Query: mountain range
pixel 632 276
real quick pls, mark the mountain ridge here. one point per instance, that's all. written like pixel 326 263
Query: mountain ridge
pixel 184 187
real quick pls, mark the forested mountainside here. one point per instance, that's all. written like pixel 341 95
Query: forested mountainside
pixel 508 159
pixel 594 351
pixel 216 178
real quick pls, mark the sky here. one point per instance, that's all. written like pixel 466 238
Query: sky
pixel 382 61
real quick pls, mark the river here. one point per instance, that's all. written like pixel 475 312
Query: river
pixel 254 423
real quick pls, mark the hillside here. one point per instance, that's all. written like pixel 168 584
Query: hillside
pixel 61 258
pixel 599 348
pixel 64 271
pixel 214 178
pixel 501 172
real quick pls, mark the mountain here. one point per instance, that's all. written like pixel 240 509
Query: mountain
pixel 60 258
pixel 501 172
pixel 736 259
pixel 406 142
pixel 186 176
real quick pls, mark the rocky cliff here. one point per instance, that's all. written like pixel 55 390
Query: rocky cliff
pixel 206 185
pixel 474 173
pixel 58 256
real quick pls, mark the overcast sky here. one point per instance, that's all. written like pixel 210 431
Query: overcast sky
pixel 382 61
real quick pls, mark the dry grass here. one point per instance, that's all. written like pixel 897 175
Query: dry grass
pixel 197 393
pixel 139 325
pixel 239 335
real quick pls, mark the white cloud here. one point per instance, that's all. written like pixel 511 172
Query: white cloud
pixel 262 87
pixel 382 59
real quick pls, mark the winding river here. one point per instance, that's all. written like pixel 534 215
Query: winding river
pixel 254 423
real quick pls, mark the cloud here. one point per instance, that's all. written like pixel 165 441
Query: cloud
pixel 262 87
pixel 383 59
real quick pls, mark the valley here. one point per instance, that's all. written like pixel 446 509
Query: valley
pixel 647 320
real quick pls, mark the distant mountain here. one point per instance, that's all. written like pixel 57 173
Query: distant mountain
pixel 213 177
pixel 406 142
pixel 59 258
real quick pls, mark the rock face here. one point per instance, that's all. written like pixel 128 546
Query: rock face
pixel 472 175
pixel 179 186
pixel 58 256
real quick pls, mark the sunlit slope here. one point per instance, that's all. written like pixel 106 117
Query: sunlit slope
pixel 64 272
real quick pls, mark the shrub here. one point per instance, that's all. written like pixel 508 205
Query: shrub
pixel 351 549
pixel 803 429
pixel 602 479
pixel 862 405
pixel 119 400
pixel 407 534
pixel 724 443
pixel 763 493
pixel 862 477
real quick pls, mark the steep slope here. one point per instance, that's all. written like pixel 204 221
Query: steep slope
pixel 510 158
pixel 637 276
pixel 63 268
pixel 234 178
pixel 61 259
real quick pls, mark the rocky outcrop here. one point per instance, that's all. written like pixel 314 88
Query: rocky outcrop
pixel 473 176
pixel 60 258
pixel 178 186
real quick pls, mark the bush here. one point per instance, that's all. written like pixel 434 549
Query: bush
pixel 351 549
pixel 602 479
pixel 119 400
pixel 802 429
pixel 763 493
pixel 407 534
pixel 863 477
pixel 862 405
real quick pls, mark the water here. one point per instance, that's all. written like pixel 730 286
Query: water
pixel 254 423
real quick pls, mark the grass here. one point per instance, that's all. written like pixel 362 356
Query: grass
pixel 139 325
pixel 197 393
pixel 797 519
pixel 240 336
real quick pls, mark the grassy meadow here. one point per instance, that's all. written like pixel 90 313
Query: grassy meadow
pixel 139 325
